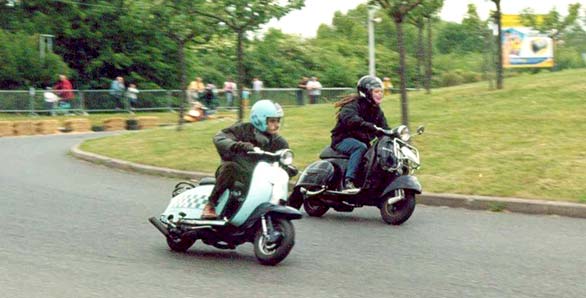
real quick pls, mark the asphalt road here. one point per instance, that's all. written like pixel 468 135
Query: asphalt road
pixel 74 229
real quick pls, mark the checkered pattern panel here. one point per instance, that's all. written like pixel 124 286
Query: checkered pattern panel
pixel 196 201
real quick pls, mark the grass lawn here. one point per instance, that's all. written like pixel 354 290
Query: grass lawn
pixel 525 141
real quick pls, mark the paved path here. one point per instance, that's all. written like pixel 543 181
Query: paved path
pixel 76 229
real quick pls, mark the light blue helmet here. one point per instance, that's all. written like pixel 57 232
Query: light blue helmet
pixel 262 110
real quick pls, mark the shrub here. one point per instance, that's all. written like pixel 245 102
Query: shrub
pixel 450 79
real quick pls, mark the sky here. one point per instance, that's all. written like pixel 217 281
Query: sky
pixel 306 21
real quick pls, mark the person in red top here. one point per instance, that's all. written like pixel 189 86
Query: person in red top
pixel 64 89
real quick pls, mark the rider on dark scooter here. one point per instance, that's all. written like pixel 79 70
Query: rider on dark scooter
pixel 234 142
pixel 357 119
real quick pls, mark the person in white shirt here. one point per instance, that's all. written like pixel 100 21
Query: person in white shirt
pixel 314 90
pixel 132 95
pixel 229 91
pixel 257 86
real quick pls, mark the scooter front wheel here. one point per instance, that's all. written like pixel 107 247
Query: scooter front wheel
pixel 272 253
pixel 399 212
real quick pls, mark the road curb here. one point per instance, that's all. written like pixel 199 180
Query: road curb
pixel 432 199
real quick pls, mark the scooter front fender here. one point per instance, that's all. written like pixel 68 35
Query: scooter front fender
pixel 276 211
pixel 403 182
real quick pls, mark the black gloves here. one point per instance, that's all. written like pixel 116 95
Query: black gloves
pixel 242 147
pixel 369 126
pixel 291 170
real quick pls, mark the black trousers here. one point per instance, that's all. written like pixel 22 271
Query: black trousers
pixel 227 175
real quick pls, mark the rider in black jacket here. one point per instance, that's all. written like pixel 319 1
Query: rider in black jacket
pixel 234 142
pixel 355 128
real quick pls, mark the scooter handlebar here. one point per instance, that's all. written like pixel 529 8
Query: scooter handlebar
pixel 384 132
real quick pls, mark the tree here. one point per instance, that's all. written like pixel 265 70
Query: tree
pixel 398 10
pixel 241 17
pixel 21 65
pixel 499 66
pixel 429 9
pixel 417 19
pixel 182 26
pixel 474 26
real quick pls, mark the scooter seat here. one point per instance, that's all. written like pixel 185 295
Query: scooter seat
pixel 328 152
pixel 207 181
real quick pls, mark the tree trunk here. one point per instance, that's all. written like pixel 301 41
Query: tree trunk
pixel 488 56
pixel 428 66
pixel 183 84
pixel 499 66
pixel 240 67
pixel 420 55
pixel 402 67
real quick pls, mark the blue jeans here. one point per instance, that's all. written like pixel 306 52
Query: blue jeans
pixel 229 99
pixel 356 150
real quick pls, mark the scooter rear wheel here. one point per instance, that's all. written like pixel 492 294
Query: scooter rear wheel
pixel 315 207
pixel 180 244
pixel 272 254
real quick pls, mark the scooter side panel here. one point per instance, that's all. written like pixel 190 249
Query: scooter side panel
pixel 192 201
pixel 317 174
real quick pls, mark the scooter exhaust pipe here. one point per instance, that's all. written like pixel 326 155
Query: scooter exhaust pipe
pixel 159 225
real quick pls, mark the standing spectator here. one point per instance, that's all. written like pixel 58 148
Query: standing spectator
pixel 229 90
pixel 387 86
pixel 196 89
pixel 314 90
pixel 64 89
pixel 302 85
pixel 117 92
pixel 257 86
pixel 132 96
pixel 245 96
pixel 209 98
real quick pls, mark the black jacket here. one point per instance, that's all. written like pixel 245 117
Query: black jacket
pixel 357 120
pixel 229 142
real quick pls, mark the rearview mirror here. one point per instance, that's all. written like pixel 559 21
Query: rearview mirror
pixel 420 129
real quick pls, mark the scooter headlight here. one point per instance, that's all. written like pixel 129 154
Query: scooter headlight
pixel 404 133
pixel 287 157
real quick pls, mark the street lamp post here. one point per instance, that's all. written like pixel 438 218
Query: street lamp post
pixel 371 10
pixel 371 21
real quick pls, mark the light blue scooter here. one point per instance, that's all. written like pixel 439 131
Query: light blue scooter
pixel 260 216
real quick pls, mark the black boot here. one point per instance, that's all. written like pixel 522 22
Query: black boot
pixel 349 186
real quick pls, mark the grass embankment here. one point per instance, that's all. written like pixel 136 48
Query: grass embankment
pixel 526 141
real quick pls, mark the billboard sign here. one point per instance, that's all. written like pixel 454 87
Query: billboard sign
pixel 524 47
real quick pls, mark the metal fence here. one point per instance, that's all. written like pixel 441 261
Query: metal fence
pixel 35 102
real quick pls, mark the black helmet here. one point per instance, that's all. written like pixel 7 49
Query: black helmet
pixel 366 84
